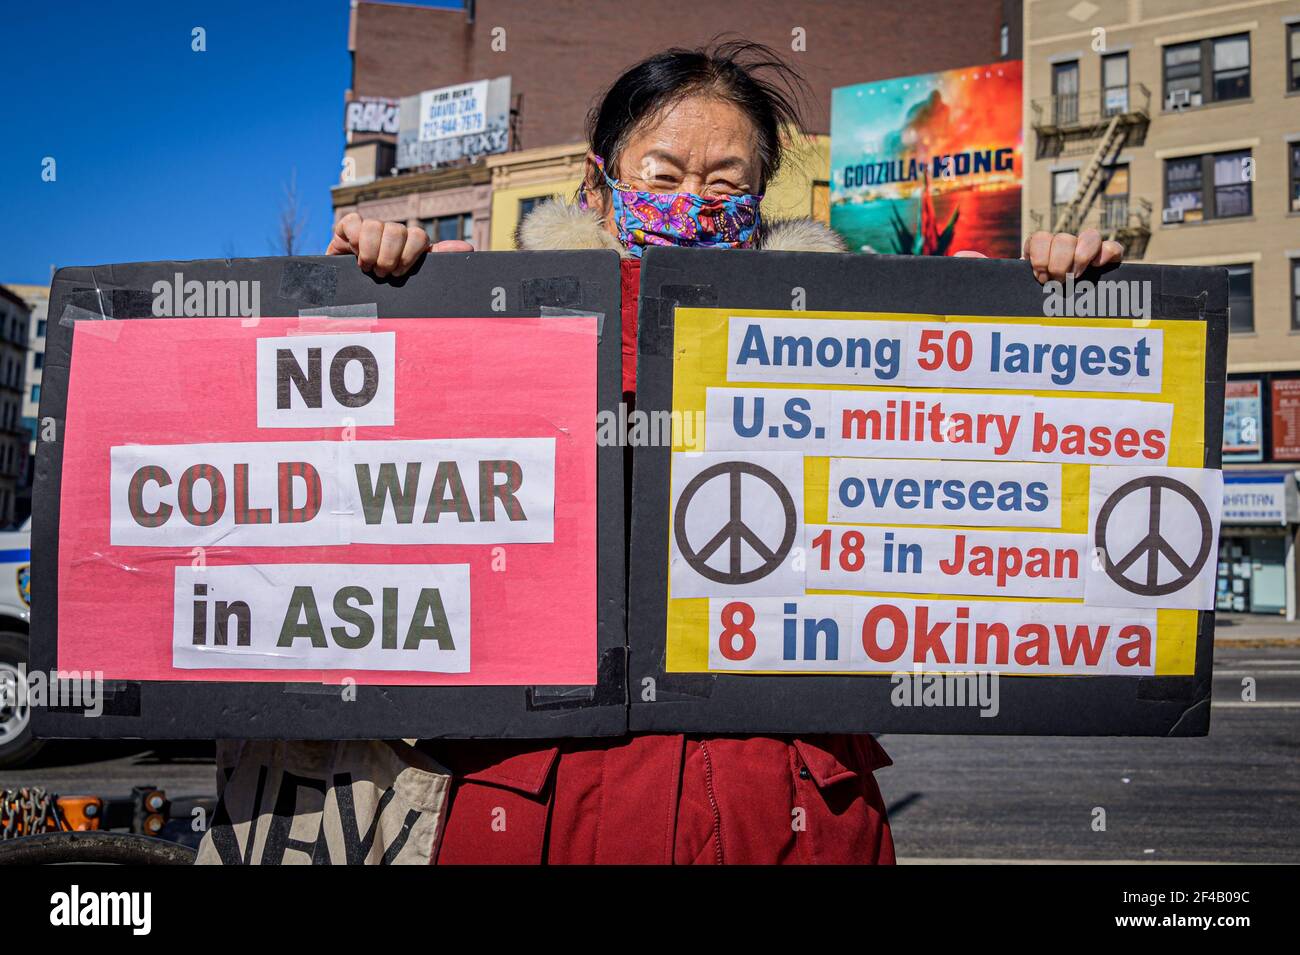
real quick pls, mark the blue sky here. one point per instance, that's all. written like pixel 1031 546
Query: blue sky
pixel 162 152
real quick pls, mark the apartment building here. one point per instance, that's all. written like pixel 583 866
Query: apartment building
pixel 1174 127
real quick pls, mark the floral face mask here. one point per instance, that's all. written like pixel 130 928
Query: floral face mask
pixel 680 218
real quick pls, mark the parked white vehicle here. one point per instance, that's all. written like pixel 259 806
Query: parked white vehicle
pixel 16 743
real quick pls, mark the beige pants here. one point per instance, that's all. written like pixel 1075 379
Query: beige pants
pixel 354 802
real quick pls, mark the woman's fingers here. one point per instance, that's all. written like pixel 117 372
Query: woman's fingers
pixel 388 249
pixel 1111 251
pixel 1060 256
pixel 1037 247
pixel 452 245
pixel 346 232
pixel 417 243
pixel 392 240
pixel 1086 250
pixel 1053 257
pixel 367 244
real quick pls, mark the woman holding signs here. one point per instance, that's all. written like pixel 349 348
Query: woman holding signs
pixel 682 148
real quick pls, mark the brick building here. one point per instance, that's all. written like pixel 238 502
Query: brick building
pixel 561 54
pixel 1174 126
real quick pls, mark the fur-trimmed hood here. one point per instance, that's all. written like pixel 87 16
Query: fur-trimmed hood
pixel 556 225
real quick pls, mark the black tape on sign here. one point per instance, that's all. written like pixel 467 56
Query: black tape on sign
pixel 679 687
pixel 309 283
pixel 608 691
pixel 657 313
pixel 111 302
pixel 117 698
pixel 559 291
pixel 1181 306
pixel 1159 688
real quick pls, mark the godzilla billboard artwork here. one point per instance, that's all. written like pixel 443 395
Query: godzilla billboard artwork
pixel 930 164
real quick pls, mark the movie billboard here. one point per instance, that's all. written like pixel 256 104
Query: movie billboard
pixel 930 164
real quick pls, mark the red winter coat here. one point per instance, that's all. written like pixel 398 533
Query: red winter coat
pixel 658 798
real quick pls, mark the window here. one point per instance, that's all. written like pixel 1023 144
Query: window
pixel 38 360
pixel 1231 185
pixel 1241 298
pixel 1293 57
pixel 1232 67
pixel 1065 92
pixel 1114 198
pixel 1294 167
pixel 446 228
pixel 1207 71
pixel 526 206
pixel 1295 294
pixel 1114 84
pixel 36 392
pixel 1064 185
pixel 1214 186
pixel 1183 187
pixel 1183 75
pixel 40 328
pixel 1004 40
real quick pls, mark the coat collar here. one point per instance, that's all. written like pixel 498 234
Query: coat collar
pixel 556 225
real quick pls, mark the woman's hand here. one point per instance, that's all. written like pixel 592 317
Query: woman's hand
pixel 1052 257
pixel 385 248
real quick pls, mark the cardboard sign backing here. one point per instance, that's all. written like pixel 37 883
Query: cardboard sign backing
pixel 280 498
pixel 920 495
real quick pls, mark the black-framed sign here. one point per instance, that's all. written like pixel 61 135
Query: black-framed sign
pixel 925 495
pixel 280 498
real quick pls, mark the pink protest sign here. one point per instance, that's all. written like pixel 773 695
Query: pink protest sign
pixel 403 501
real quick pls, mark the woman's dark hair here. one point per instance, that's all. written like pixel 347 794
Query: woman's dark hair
pixel 749 75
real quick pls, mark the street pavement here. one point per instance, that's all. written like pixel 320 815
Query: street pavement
pixel 1233 796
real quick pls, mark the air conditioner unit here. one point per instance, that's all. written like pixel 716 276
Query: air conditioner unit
pixel 1171 215
pixel 1178 99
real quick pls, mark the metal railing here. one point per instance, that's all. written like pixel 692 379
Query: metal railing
pixel 1066 112
pixel 1122 218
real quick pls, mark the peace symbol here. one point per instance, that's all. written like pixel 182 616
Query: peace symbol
pixel 1153 545
pixel 734 531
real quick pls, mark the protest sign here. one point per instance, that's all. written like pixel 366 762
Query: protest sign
pixel 280 498
pixel 888 475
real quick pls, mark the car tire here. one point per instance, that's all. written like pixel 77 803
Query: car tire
pixel 16 742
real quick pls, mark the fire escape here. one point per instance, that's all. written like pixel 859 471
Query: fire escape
pixel 1098 125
